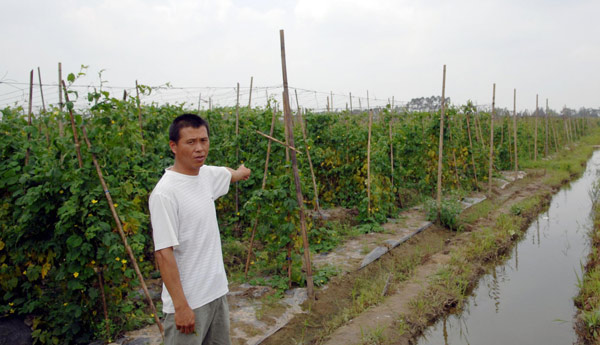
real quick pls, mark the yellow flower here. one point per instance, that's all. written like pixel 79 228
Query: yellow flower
pixel 89 214
pixel 65 304
pixel 94 201
pixel 60 191
pixel 115 205
pixel 11 304
pixel 141 259
pixel 112 121
pixel 93 262
pixel 117 258
pixel 24 273
pixel 251 262
pixel 238 213
pixel 12 311
pixel 123 261
pixel 76 274
pixel 152 315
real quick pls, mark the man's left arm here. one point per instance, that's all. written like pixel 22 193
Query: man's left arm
pixel 241 173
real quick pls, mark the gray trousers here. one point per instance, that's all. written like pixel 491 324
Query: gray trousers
pixel 212 326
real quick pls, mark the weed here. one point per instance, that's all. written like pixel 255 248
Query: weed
pixel 373 336
pixel 448 213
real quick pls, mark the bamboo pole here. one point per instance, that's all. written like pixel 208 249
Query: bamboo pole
pixel 547 131
pixel 453 150
pixel 104 307
pixel 43 107
pixel 471 147
pixel 199 101
pixel 312 172
pixel 117 220
pixel 350 102
pixel 441 147
pixel 41 90
pixel 508 135
pixel 369 156
pixel 515 132
pixel 139 108
pixel 75 138
pixel 61 130
pixel 250 94
pixel 535 136
pixel 491 142
pixel 555 135
pixel 478 130
pixel 288 122
pixel 332 107
pixel 29 114
pixel 264 185
pixel 391 153
pixel 237 149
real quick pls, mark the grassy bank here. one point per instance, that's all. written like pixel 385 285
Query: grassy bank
pixel 587 324
pixel 488 241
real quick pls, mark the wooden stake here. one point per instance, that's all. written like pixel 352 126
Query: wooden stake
pixel 369 157
pixel 250 94
pixel 555 136
pixel 350 102
pixel 312 172
pixel 104 307
pixel 41 90
pixel 29 113
pixel 515 132
pixel 75 138
pixel 547 131
pixel 391 153
pixel 491 160
pixel 535 136
pixel 117 220
pixel 471 147
pixel 332 107
pixel 441 147
pixel 237 148
pixel 137 90
pixel 300 199
pixel 264 185
pixel 199 102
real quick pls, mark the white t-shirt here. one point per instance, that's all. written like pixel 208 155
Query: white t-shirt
pixel 183 215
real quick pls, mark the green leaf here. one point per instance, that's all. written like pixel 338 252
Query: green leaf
pixel 74 241
pixel 71 77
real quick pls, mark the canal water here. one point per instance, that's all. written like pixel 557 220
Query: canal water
pixel 529 298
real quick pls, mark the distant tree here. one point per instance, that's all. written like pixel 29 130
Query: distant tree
pixel 432 103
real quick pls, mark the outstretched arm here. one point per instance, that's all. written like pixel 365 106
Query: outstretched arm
pixel 241 173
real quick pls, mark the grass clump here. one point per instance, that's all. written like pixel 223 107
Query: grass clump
pixel 448 215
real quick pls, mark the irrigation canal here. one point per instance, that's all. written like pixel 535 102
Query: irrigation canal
pixel 529 298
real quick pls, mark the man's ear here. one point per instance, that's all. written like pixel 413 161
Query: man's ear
pixel 173 146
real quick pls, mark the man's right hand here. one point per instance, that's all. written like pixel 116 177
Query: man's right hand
pixel 185 320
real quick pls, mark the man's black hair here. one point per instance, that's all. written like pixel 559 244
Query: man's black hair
pixel 183 121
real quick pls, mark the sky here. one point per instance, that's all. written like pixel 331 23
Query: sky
pixel 387 48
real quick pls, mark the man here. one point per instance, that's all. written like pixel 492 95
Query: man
pixel 186 237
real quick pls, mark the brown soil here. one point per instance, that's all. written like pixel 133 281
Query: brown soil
pixel 311 327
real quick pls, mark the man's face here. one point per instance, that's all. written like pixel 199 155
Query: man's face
pixel 191 149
